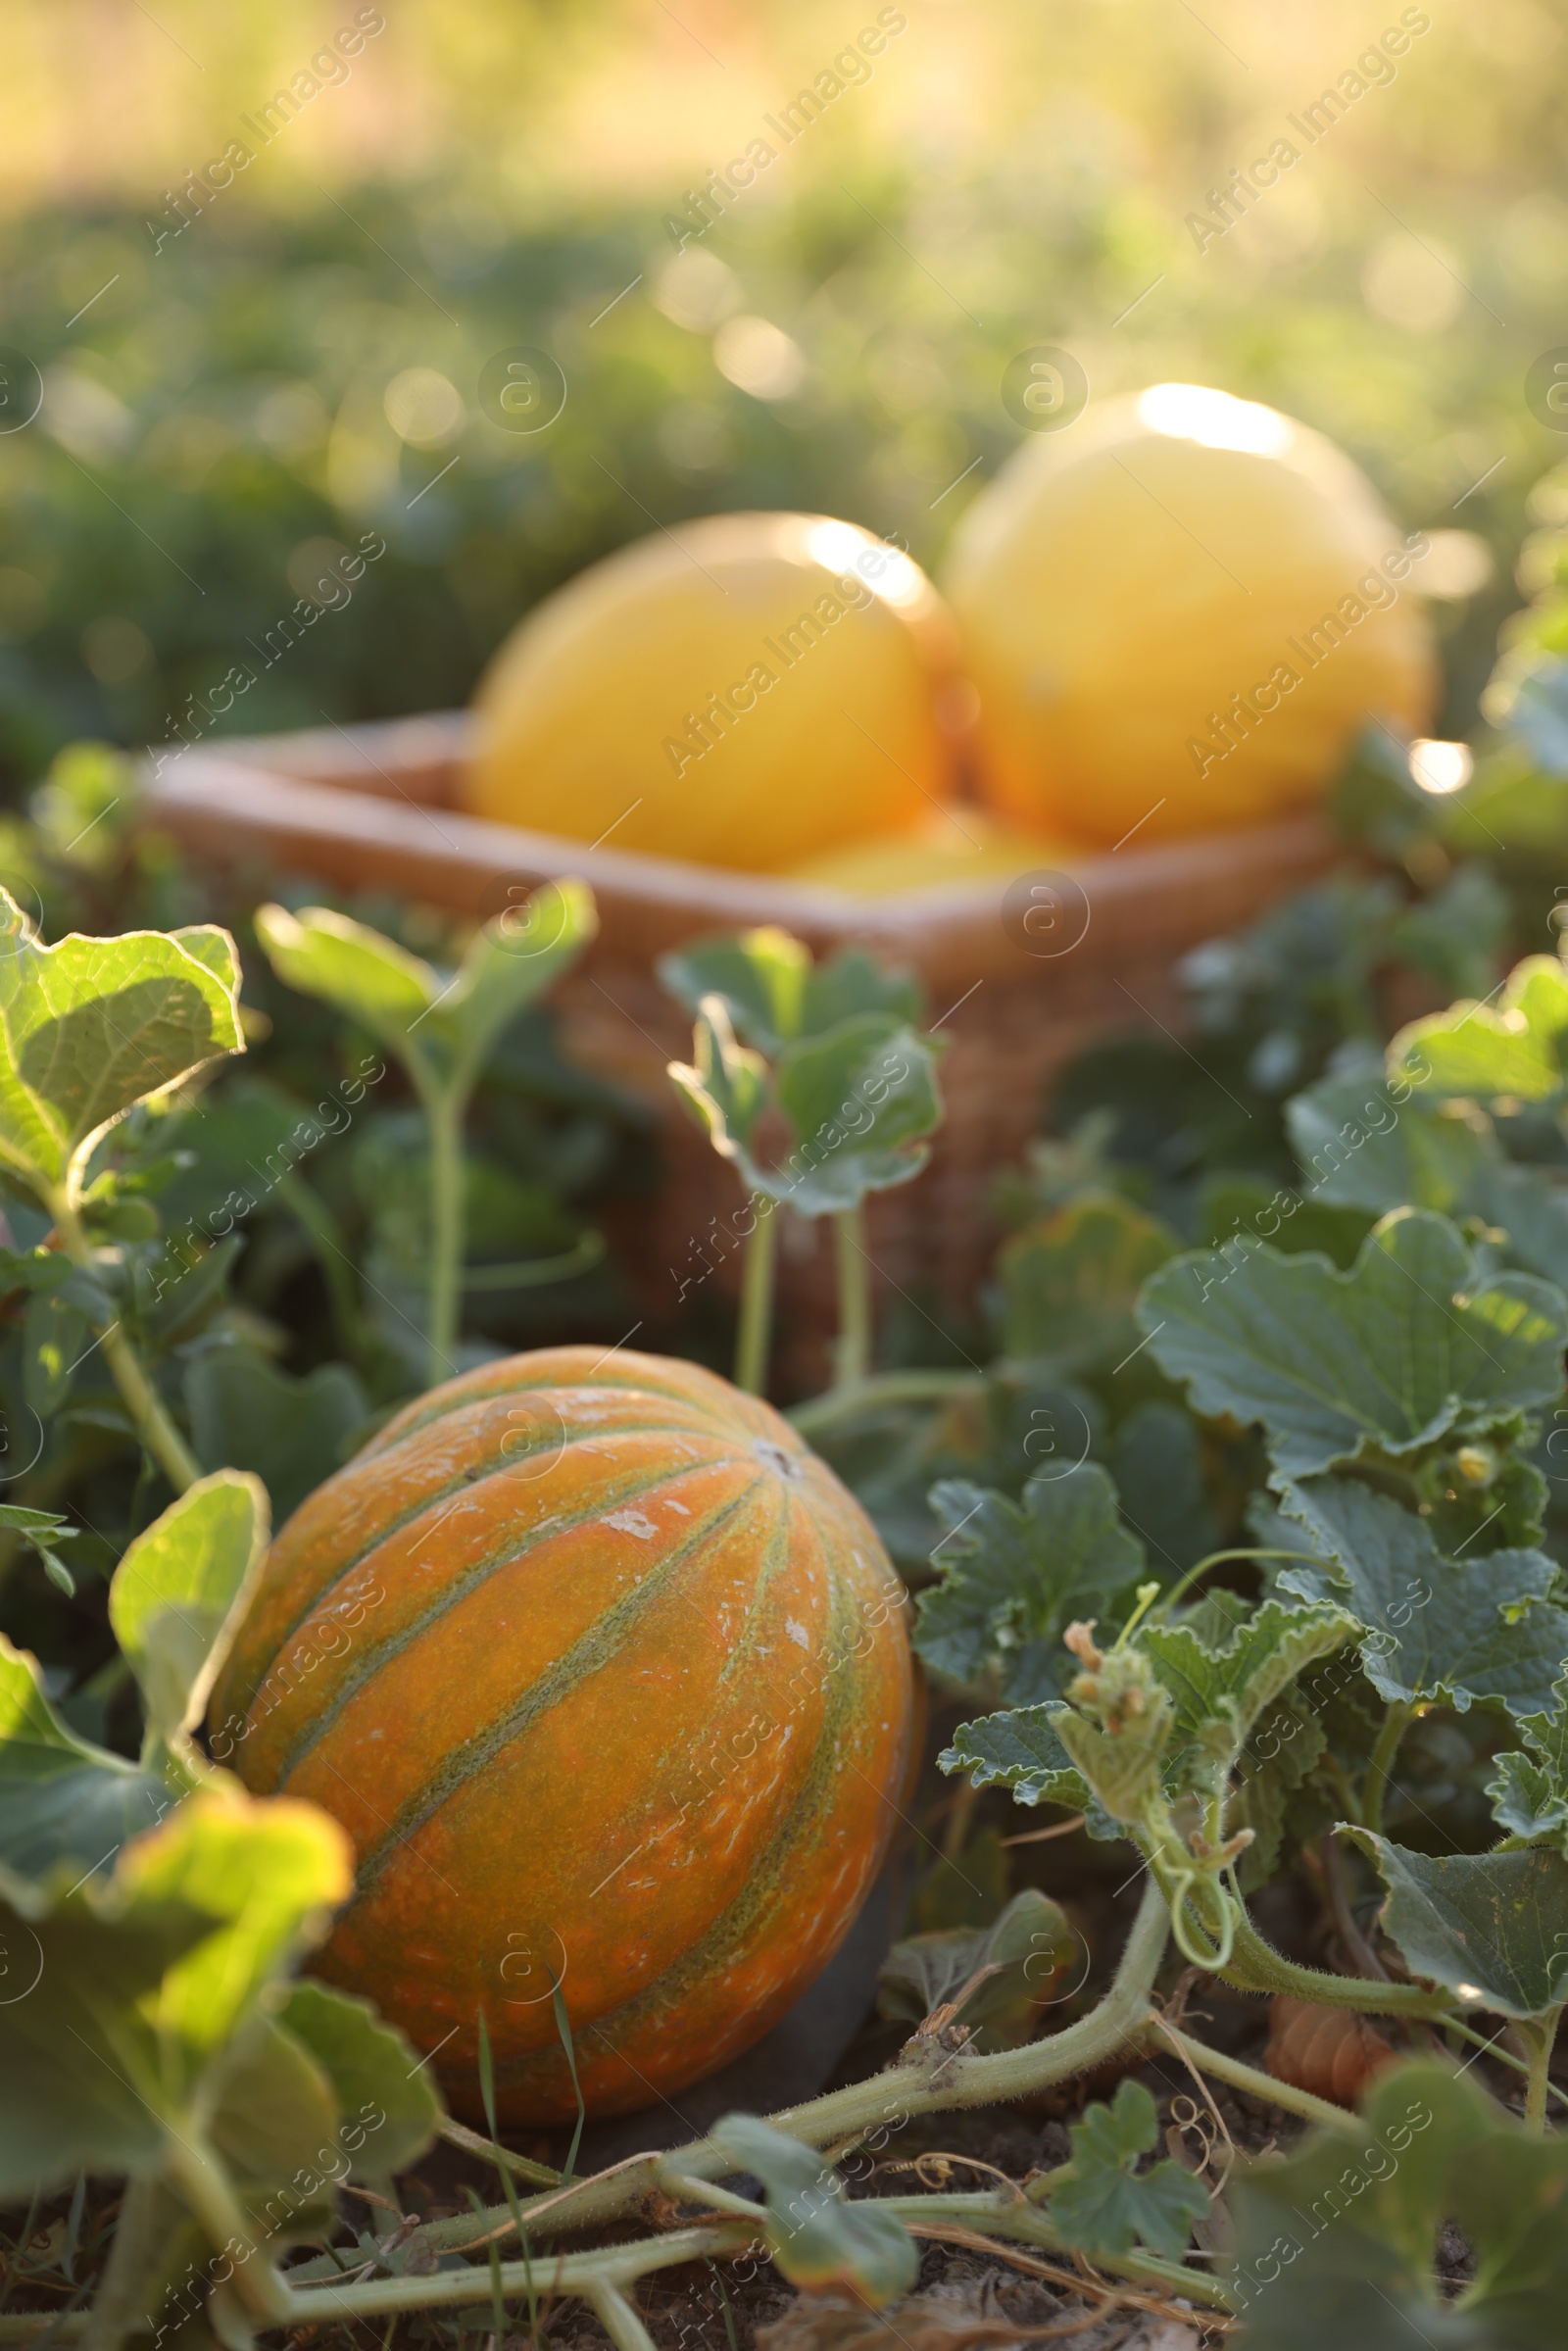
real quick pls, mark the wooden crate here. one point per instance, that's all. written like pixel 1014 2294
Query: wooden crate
pixel 377 806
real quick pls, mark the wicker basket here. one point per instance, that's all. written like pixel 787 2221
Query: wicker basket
pixel 377 807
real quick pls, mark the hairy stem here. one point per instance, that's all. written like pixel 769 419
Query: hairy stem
pixel 751 1340
pixel 141 1400
pixel 882 2104
pixel 443 1111
pixel 140 2242
pixel 475 2142
pixel 198 2172
pixel 852 1355
pixel 886 1388
pixel 1263 2086
pixel 619 2317
pixel 1256 1966
pixel 1539 2037
pixel 1394 1724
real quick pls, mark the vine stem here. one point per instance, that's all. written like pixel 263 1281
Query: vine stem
pixel 852 1355
pixel 1262 2086
pixel 1256 1966
pixel 753 1337
pixel 1538 2034
pixel 141 1400
pixel 443 1111
pixel 619 2317
pixel 884 1388
pixel 884 2102
pixel 1395 1721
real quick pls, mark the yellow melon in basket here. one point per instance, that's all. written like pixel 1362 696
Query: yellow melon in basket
pixel 1178 613
pixel 952 845
pixel 741 690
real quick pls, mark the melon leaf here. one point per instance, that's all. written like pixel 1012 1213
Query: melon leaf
pixel 62 1799
pixel 1071 1282
pixel 138 1987
pixel 1025 1947
pixel 1012 1577
pixel 1104 2204
pixel 1336 2241
pixel 1458 1631
pixel 819 2239
pixel 1021 1749
pixel 90 1027
pixel 1515 1047
pixel 760 974
pixel 179 1589
pixel 1491 1928
pixel 861 1100
pixel 384 2095
pixel 1413 1342
pixel 724 1086
pixel 1530 1793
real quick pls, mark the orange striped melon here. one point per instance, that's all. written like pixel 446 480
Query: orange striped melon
pixel 607 1676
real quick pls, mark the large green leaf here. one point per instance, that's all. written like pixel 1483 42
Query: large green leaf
pixel 61 1797
pixel 179 1586
pixel 1336 2243
pixel 1491 1928
pixel 1414 1341
pixel 1105 2204
pixel 1450 1630
pixel 354 969
pixel 819 2239
pixel 1069 1282
pixel 90 1027
pixel 1013 1578
pixel 1516 1047
pixel 509 965
pixel 142 1983
pixel 385 2093
pixel 1430 1154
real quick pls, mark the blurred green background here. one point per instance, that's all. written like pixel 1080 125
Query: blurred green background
pixel 301 365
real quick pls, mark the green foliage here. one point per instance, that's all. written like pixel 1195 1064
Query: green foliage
pixel 1070 1283
pixel 292 1433
pixel 144 1984
pixel 1530 1792
pixel 90 1027
pixel 1104 2204
pixel 1415 1343
pixel 1453 1630
pixel 1490 1927
pixel 1011 1579
pixel 989 1975
pixel 1338 2241
pixel 179 1590
pixel 817 2237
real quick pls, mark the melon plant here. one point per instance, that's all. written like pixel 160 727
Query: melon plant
pixel 551 1744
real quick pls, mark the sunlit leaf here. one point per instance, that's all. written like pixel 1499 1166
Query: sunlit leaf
pixel 180 1589
pixel 1515 1047
pixel 90 1027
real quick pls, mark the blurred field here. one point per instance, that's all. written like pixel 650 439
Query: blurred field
pixel 298 367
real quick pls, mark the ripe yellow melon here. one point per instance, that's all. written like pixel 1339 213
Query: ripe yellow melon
pixel 1178 613
pixel 952 845
pixel 741 690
